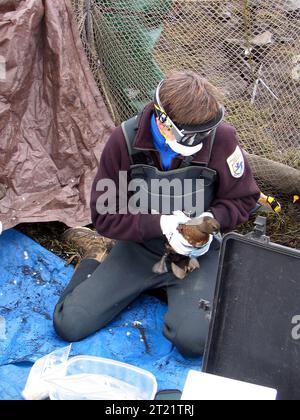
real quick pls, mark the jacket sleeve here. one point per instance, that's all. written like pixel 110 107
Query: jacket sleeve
pixel 236 195
pixel 114 225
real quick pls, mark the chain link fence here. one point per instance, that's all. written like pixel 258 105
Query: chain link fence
pixel 250 48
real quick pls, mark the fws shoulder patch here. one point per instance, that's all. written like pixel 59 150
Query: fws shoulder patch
pixel 236 163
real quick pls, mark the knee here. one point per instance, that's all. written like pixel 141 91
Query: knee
pixel 189 342
pixel 190 346
pixel 69 322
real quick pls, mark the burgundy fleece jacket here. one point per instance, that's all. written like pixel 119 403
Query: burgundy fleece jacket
pixel 234 200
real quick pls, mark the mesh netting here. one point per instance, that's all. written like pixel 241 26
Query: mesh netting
pixel 250 48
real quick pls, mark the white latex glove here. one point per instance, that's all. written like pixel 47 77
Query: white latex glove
pixel 169 225
pixel 198 252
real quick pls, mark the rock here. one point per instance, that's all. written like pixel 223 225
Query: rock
pixel 262 39
pixel 292 5
pixel 296 68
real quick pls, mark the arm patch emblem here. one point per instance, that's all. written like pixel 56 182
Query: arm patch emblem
pixel 236 163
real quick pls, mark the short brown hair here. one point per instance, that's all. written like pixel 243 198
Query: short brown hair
pixel 189 98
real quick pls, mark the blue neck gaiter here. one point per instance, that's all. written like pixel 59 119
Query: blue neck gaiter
pixel 165 151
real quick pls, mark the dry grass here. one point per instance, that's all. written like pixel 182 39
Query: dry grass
pixel 283 229
pixel 49 235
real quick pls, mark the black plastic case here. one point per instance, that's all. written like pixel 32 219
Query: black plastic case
pixel 253 333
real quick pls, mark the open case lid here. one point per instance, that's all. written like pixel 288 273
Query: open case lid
pixel 253 334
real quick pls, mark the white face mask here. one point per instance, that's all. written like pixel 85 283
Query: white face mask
pixel 177 147
pixel 184 150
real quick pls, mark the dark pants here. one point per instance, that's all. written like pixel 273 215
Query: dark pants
pixel 99 292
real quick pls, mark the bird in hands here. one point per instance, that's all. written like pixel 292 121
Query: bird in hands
pixel 196 232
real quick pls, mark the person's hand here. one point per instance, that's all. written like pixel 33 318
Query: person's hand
pixel 169 225
pixel 199 251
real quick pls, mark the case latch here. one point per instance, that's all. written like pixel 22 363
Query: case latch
pixel 205 306
pixel 260 230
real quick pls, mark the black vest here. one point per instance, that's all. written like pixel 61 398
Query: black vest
pixel 190 188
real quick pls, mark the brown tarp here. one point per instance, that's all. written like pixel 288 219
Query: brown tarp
pixel 53 121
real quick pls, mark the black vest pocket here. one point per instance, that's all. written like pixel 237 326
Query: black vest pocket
pixel 189 189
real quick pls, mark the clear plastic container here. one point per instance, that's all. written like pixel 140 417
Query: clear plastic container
pixel 96 378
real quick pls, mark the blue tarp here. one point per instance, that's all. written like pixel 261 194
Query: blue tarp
pixel 31 281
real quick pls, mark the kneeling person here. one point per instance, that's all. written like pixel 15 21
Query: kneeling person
pixel 180 135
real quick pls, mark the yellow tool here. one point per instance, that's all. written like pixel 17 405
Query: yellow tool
pixel 270 202
pixel 296 199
